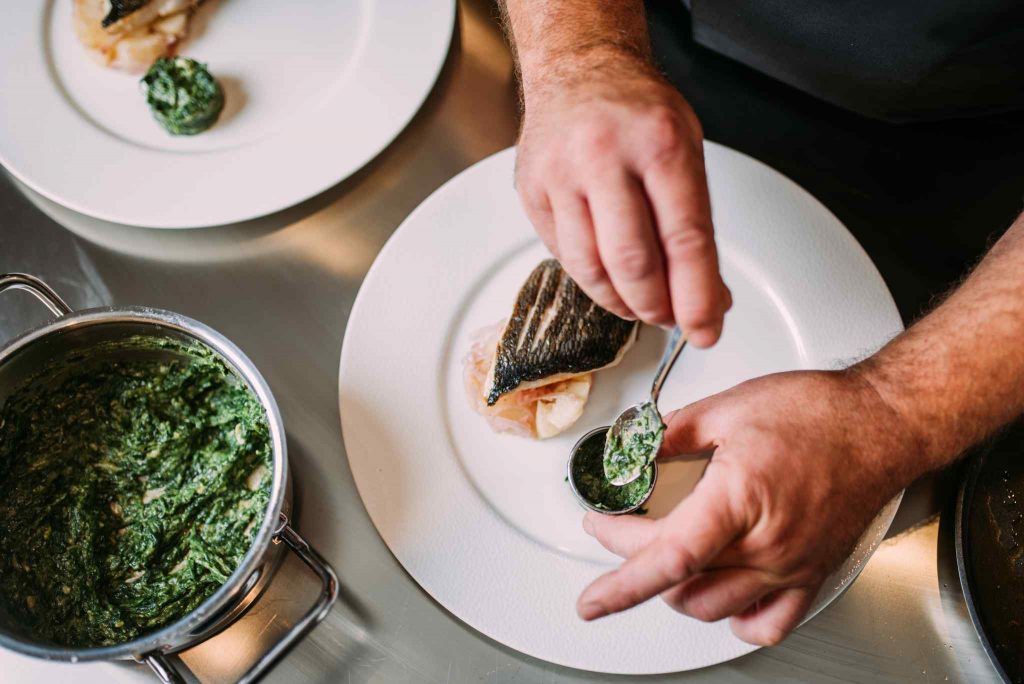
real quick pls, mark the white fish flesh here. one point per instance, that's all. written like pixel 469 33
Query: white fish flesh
pixel 131 34
pixel 540 412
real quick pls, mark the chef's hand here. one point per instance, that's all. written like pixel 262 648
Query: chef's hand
pixel 802 462
pixel 610 170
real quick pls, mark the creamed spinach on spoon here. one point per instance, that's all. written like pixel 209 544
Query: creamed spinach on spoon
pixel 634 446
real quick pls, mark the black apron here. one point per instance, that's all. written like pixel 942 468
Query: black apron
pixel 898 60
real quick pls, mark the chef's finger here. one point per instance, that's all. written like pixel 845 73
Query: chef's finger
pixel 538 209
pixel 623 535
pixel 774 617
pixel 628 244
pixel 677 188
pixel 689 432
pixel 578 255
pixel 690 537
pixel 718 594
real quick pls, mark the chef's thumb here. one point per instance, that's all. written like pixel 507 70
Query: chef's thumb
pixel 688 434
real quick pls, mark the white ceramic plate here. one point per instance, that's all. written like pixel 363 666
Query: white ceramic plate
pixel 314 90
pixel 485 522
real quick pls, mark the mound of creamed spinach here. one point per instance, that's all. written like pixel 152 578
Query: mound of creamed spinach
pixel 129 491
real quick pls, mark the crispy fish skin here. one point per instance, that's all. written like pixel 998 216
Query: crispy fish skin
pixel 555 332
pixel 130 15
pixel 121 9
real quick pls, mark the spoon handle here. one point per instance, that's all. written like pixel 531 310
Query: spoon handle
pixel 675 345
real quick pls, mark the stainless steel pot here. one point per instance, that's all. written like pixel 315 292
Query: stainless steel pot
pixel 80 331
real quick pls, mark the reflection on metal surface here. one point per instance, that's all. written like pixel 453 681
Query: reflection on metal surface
pixel 892 622
pixel 316 240
pixel 194 245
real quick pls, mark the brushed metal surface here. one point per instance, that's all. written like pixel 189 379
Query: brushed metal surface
pixel 282 287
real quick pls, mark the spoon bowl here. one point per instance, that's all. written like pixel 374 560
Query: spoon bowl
pixel 634 426
pixel 636 435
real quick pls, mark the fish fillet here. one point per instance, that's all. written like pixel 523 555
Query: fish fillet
pixel 540 412
pixel 555 333
pixel 131 34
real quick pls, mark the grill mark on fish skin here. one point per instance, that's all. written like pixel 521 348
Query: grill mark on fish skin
pixel 126 16
pixel 554 329
pixel 546 294
pixel 524 332
pixel 548 316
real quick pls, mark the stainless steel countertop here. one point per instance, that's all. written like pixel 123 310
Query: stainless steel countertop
pixel 282 288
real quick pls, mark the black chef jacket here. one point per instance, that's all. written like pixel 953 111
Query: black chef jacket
pixel 898 60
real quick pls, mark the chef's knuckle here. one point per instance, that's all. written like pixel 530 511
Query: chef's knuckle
pixel 776 556
pixel 700 608
pixel 689 242
pixel 552 167
pixel 541 169
pixel 586 271
pixel 533 197
pixel 665 132
pixel 676 561
pixel 634 263
pixel 596 137
pixel 744 501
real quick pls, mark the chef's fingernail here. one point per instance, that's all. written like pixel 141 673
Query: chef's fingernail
pixel 588 526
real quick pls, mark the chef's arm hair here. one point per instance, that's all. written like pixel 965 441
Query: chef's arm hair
pixel 957 375
pixel 555 41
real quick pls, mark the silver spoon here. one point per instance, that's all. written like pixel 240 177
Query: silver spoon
pixel 643 420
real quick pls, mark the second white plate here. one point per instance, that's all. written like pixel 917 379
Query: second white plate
pixel 314 90
pixel 485 522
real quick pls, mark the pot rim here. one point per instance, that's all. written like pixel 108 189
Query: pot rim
pixel 962 540
pixel 177 635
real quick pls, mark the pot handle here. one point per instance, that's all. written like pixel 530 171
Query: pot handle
pixel 168 674
pixel 42 291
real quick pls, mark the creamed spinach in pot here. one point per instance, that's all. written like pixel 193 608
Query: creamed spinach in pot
pixel 130 490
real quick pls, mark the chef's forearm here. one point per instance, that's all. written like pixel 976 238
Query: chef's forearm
pixel 558 40
pixel 957 375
